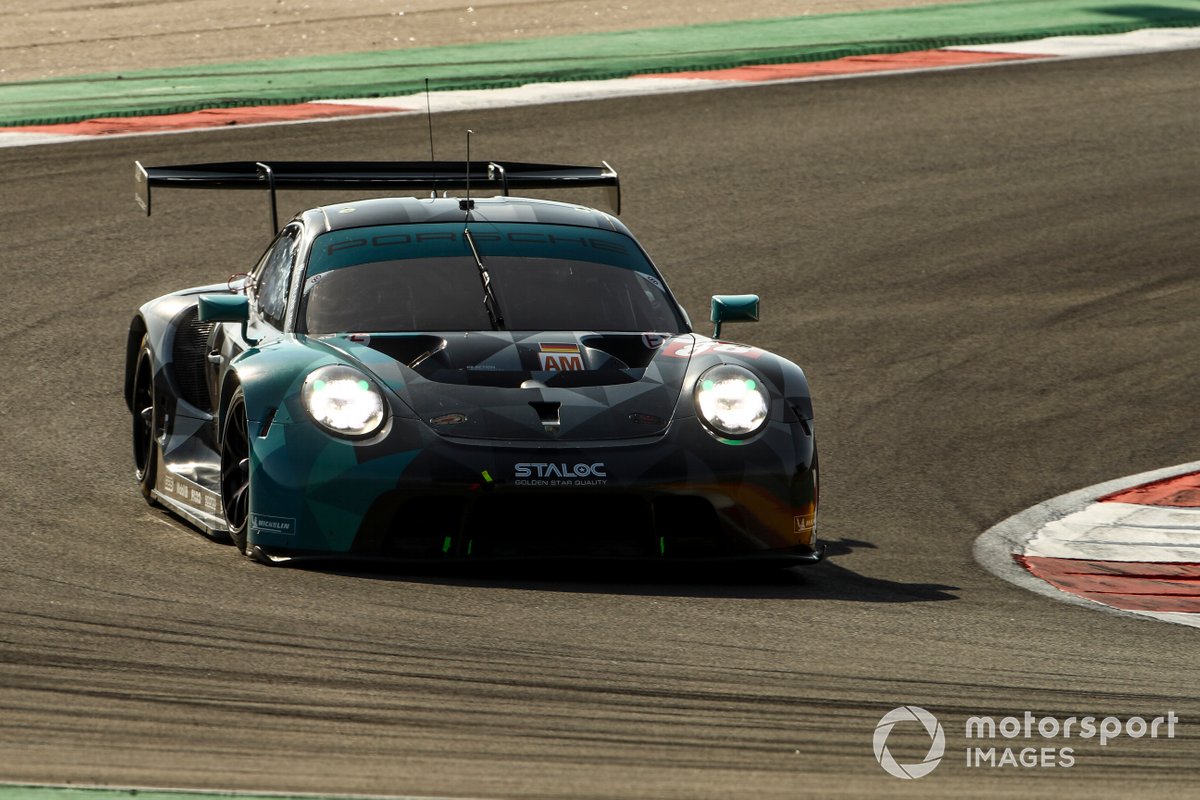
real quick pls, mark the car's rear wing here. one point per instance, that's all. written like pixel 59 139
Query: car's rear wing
pixel 404 176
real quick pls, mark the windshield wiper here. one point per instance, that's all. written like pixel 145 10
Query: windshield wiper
pixel 489 297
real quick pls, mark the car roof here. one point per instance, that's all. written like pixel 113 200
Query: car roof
pixel 410 210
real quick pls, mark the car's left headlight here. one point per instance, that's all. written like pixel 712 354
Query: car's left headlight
pixel 343 400
pixel 732 400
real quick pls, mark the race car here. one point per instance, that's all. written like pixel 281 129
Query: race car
pixel 426 377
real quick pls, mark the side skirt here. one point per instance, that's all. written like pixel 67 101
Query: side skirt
pixel 185 497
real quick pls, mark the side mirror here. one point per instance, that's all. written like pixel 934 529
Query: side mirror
pixel 227 308
pixel 733 308
pixel 224 308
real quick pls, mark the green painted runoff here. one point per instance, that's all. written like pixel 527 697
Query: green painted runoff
pixel 582 57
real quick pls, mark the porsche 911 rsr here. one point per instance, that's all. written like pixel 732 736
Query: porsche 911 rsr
pixel 462 379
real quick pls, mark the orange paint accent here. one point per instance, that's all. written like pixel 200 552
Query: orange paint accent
pixel 918 59
pixel 1182 491
pixel 1132 586
pixel 207 118
pixel 764 507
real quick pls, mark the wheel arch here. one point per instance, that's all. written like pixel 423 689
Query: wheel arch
pixel 133 349
pixel 231 384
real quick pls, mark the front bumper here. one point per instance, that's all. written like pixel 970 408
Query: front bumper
pixel 415 496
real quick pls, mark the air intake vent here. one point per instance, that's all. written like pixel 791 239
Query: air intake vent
pixel 191 345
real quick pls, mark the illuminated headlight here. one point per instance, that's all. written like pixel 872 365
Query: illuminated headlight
pixel 343 400
pixel 732 400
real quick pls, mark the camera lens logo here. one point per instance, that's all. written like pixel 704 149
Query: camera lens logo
pixel 937 745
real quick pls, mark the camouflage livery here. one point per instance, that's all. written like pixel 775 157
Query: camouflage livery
pixel 496 444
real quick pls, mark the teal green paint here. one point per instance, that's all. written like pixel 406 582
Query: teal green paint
pixel 583 57
pixel 339 489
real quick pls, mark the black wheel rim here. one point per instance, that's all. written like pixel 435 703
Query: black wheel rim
pixel 235 469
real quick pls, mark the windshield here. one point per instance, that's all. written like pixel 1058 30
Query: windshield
pixel 424 278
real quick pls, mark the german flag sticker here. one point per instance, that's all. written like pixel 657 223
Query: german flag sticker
pixel 560 357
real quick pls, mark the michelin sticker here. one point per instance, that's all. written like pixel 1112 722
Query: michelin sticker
pixel 261 524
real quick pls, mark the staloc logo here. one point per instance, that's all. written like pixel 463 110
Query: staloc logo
pixel 541 469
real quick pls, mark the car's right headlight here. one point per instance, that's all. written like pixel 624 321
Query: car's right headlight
pixel 732 401
pixel 343 400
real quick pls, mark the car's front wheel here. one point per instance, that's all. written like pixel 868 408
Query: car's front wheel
pixel 235 470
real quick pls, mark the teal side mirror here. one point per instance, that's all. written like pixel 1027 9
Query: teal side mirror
pixel 226 308
pixel 733 308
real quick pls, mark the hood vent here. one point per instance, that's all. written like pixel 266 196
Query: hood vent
pixel 548 413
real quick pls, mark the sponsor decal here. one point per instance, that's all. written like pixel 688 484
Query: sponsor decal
pixel 688 349
pixel 184 491
pixel 262 524
pixel 312 282
pixel 543 473
pixel 653 341
pixel 518 237
pixel 560 357
pixel 653 281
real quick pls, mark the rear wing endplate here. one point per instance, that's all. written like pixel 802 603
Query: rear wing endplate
pixel 503 177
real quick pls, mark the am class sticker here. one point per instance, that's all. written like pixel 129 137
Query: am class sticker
pixel 560 357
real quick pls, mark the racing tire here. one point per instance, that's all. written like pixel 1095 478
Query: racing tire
pixel 235 470
pixel 146 424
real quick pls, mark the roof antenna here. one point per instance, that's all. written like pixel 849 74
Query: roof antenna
pixel 429 117
pixel 468 204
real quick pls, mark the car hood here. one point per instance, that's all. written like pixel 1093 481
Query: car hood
pixel 521 386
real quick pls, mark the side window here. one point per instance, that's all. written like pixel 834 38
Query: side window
pixel 273 276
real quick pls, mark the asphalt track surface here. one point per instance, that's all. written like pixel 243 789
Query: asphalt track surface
pixel 989 276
